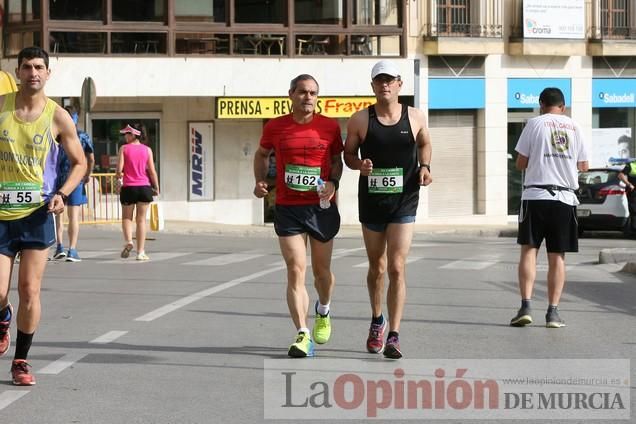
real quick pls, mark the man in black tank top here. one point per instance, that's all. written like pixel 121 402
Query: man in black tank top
pixel 394 161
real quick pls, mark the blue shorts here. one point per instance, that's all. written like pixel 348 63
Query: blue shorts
pixel 380 228
pixel 78 196
pixel 36 231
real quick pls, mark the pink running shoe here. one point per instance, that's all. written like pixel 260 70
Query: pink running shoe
pixel 21 373
pixel 375 341
pixel 5 336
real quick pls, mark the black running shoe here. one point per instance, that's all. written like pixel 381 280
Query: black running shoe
pixel 392 348
pixel 553 320
pixel 522 318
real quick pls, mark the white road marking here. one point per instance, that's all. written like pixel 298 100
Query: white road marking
pixel 86 254
pixel 184 301
pixel 63 363
pixel 544 268
pixel 108 337
pixel 425 244
pixel 230 258
pixel 341 253
pixel 10 396
pixel 409 260
pixel 154 257
pixel 474 263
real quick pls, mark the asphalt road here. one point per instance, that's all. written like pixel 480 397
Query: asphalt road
pixel 184 338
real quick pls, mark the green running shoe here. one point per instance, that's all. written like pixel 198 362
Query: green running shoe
pixel 302 347
pixel 322 327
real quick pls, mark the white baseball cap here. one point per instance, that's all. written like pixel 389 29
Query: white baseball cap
pixel 385 67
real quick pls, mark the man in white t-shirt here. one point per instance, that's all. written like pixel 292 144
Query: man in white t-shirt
pixel 550 150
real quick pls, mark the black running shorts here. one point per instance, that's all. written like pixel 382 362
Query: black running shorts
pixel 320 224
pixel 130 195
pixel 550 219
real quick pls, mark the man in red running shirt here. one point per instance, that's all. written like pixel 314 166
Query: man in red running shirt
pixel 308 147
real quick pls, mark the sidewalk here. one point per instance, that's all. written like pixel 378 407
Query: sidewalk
pixel 346 231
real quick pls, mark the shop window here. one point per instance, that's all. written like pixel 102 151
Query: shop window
pixel 139 10
pixel 107 140
pixel 259 11
pixel 319 12
pixel 14 11
pixel 80 10
pixel 77 42
pixel 138 42
pixel 613 117
pixel 259 44
pixel 33 12
pixel 199 11
pixel 376 12
pixel 16 41
pixel 202 43
pixel 384 45
pixel 515 177
pixel 317 45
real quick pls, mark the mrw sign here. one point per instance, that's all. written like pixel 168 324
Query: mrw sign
pixel 271 107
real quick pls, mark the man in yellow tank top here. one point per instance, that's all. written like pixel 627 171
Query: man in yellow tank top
pixel 32 130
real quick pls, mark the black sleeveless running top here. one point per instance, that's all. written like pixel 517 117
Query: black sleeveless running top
pixel 389 146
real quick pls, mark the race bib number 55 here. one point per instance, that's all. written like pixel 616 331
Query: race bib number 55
pixel 386 180
pixel 19 195
pixel 302 178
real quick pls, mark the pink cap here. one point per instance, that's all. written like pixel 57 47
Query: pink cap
pixel 129 129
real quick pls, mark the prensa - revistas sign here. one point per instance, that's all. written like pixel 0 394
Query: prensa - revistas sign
pixel 554 19
pixel 271 107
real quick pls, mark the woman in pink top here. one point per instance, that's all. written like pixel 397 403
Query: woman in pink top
pixel 138 180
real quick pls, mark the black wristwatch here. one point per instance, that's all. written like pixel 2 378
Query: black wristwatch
pixel 63 196
pixel 336 183
pixel 426 165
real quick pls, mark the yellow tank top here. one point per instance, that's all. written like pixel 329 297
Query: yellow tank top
pixel 28 160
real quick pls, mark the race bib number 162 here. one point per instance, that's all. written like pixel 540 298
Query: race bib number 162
pixel 302 178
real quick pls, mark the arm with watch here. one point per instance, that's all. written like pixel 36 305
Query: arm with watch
pixel 424 149
pixel 333 183
pixel 64 131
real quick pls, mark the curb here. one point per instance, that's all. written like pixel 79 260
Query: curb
pixel 616 255
pixel 346 231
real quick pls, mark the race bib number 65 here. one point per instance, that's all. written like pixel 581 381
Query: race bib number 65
pixel 15 195
pixel 302 178
pixel 386 180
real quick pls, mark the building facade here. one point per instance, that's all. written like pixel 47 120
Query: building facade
pixel 203 76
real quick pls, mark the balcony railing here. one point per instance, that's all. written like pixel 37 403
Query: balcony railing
pixel 463 30
pixel 613 33
pixel 464 18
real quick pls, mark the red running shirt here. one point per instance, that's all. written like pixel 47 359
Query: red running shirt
pixel 301 148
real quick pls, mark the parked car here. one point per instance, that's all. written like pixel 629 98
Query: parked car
pixel 603 201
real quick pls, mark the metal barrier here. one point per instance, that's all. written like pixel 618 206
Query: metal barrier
pixel 103 200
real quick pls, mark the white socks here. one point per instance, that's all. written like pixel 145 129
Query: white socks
pixel 322 309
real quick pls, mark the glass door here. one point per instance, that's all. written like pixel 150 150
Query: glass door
pixel 107 139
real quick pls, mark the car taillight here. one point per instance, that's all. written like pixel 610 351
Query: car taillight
pixel 610 191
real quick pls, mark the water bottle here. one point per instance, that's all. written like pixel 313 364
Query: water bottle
pixel 320 186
